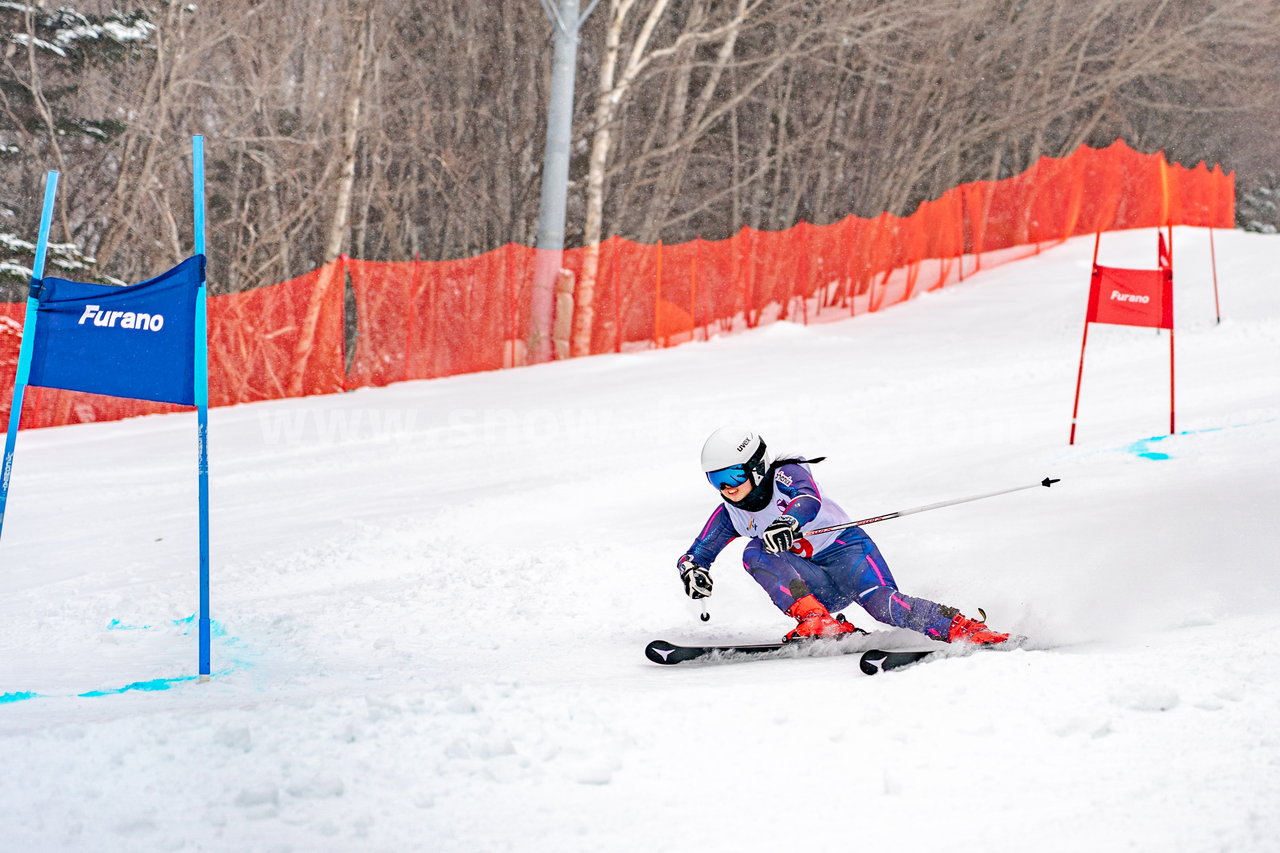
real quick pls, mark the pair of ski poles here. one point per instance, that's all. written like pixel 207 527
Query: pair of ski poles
pixel 1046 483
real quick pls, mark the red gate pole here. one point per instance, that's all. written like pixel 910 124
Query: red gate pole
pixel 1169 297
pixel 1172 428
pixel 1075 409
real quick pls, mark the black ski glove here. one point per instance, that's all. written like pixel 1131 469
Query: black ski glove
pixel 781 535
pixel 697 580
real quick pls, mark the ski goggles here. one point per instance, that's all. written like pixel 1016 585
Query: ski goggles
pixel 724 478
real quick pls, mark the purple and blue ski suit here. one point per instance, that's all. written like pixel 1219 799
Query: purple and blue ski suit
pixel 840 568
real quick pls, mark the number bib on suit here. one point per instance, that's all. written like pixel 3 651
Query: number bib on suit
pixel 787 484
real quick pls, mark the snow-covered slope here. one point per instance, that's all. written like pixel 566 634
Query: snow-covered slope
pixel 432 599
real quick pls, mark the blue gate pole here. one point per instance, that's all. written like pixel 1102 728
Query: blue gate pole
pixel 28 342
pixel 202 404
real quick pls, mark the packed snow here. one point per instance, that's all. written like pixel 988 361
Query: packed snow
pixel 431 600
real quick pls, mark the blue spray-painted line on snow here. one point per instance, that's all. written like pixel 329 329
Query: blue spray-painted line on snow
pixel 16 697
pixel 215 628
pixel 1142 449
pixel 117 625
pixel 149 686
pixel 187 624
pixel 1145 449
pixel 152 685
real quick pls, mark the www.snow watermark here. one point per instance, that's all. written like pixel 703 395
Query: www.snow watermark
pixel 465 428
pixel 662 422
pixel 331 427
pixel 669 423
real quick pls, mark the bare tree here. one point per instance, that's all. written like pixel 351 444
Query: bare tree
pixel 407 127
pixel 681 121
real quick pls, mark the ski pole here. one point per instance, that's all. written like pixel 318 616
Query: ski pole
pixel 1046 482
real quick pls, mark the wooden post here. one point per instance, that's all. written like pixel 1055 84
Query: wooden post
pixel 1213 259
pixel 657 292
pixel 693 288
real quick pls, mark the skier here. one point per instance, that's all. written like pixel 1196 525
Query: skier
pixel 772 501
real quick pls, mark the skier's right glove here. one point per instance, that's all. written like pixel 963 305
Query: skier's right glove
pixel 697 580
pixel 781 535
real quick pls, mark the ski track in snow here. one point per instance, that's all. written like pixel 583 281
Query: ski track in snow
pixel 431 599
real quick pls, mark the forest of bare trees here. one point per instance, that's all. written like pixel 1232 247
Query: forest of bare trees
pixel 393 128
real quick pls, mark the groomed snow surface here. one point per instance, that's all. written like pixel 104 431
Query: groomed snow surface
pixel 431 600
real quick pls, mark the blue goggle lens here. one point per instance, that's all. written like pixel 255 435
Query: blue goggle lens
pixel 735 475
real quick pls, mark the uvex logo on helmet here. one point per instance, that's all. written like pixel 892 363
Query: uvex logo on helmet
pixel 137 321
pixel 744 444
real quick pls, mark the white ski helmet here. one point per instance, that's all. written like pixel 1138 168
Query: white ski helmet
pixel 732 455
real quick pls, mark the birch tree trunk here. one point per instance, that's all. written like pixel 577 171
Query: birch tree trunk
pixel 334 275
pixel 609 95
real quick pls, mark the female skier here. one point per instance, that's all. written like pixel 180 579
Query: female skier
pixel 807 578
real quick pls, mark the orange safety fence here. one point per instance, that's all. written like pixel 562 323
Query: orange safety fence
pixel 422 319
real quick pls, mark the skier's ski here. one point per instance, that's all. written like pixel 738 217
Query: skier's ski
pixel 871 662
pixel 883 660
pixel 874 661
pixel 668 654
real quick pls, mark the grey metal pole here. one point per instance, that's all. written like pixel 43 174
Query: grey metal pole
pixel 555 175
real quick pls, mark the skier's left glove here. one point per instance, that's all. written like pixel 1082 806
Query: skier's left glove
pixel 697 580
pixel 781 535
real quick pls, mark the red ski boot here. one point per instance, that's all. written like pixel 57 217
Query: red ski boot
pixel 964 629
pixel 815 621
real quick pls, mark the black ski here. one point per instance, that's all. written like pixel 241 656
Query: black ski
pixel 882 660
pixel 669 654
pixel 874 661
pixel 871 662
